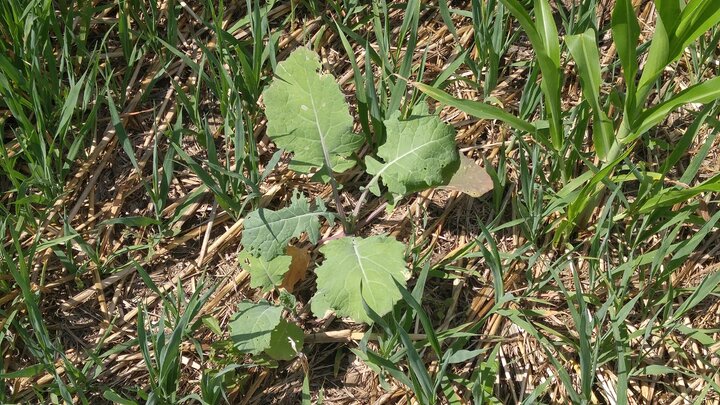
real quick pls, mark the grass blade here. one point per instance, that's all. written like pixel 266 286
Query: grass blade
pixel 583 48
pixel 477 109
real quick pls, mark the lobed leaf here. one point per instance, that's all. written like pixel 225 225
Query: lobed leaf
pixel 267 232
pixel 418 154
pixel 264 274
pixel 307 115
pixel 356 270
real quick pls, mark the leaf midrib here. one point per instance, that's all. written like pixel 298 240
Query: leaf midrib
pixel 359 258
pixel 321 133
pixel 403 156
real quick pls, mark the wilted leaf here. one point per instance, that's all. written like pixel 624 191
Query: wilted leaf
pixel 263 273
pixel 307 115
pixel 419 153
pixel 470 179
pixel 353 264
pixel 298 267
pixel 267 232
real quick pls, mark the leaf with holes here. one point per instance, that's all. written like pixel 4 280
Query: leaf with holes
pixel 419 153
pixel 307 115
pixel 357 269
pixel 267 232
pixel 265 274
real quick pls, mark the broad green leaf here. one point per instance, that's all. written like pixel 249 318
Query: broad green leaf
pixel 357 269
pixel 583 48
pixel 258 328
pixel 626 32
pixel 477 109
pixel 307 115
pixel 286 341
pixel 267 232
pixel 418 153
pixel 265 274
pixel 251 327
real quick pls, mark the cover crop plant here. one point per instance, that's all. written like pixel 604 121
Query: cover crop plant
pixel 308 116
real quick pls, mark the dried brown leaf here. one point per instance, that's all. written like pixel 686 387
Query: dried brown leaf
pixel 298 267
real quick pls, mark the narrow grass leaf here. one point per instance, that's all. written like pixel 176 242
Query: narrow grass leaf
pixel 134 221
pixel 583 48
pixel 701 93
pixel 697 17
pixel 706 287
pixel 626 32
pixel 476 109
pixel 699 157
pixel 417 367
pixel 671 197
pixel 424 320
pixel 116 398
pixel 682 146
